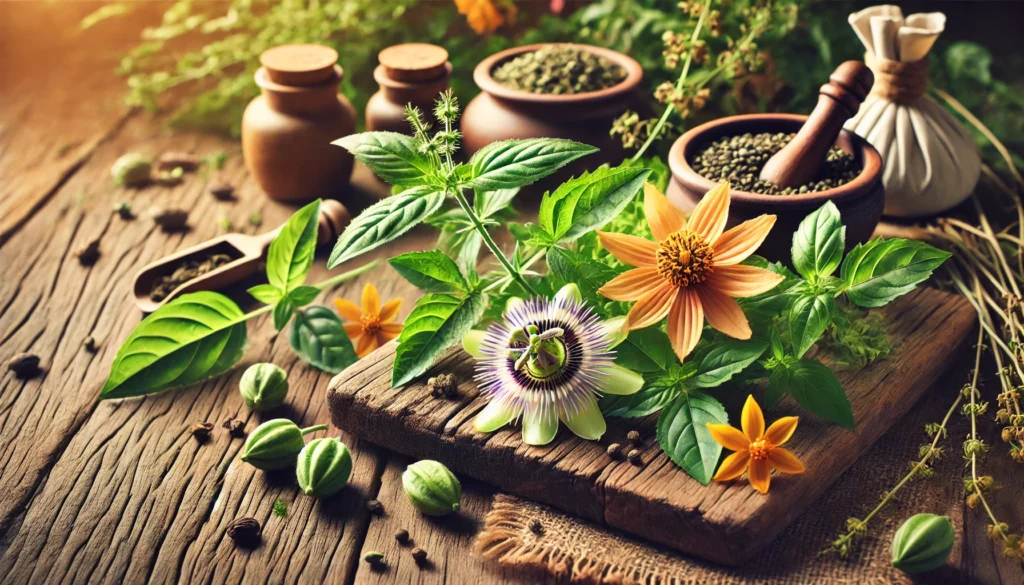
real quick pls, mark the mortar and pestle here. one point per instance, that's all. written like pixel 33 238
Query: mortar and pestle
pixel 860 201
pixel 246 251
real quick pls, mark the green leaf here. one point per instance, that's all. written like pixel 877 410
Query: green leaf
pixel 283 311
pixel 291 253
pixel 491 203
pixel 303 295
pixel 267 294
pixel 727 359
pixel 515 163
pixel 430 271
pixel 649 400
pixel 685 438
pixel 776 387
pixel 568 266
pixel 645 351
pixel 589 201
pixel 878 271
pixel 384 221
pixel 818 390
pixel 818 242
pixel 436 323
pixel 194 337
pixel 393 157
pixel 808 318
pixel 319 338
pixel 462 246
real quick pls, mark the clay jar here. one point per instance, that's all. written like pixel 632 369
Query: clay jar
pixel 501 113
pixel 413 73
pixel 860 201
pixel 287 131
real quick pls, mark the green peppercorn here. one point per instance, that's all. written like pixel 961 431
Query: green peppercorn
pixel 263 386
pixel 432 488
pixel 324 467
pixel 922 544
pixel 275 444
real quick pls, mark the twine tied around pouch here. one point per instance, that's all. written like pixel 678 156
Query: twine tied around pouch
pixel 896 81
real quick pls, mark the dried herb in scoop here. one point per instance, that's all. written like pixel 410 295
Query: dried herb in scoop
pixel 559 69
pixel 188 270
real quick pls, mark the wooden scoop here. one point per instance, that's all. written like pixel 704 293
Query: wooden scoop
pixel 799 162
pixel 248 252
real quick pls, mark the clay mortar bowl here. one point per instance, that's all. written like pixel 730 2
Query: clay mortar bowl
pixel 502 113
pixel 860 201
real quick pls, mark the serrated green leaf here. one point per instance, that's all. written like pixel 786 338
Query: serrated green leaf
pixel 818 243
pixel 727 359
pixel 491 203
pixel 645 351
pixel 437 322
pixel 194 337
pixel 817 389
pixel 430 271
pixel 393 157
pixel 265 293
pixel 319 338
pixel 569 267
pixel 776 386
pixel 809 316
pixel 462 246
pixel 515 163
pixel 384 221
pixel 649 400
pixel 878 271
pixel 291 252
pixel 685 438
pixel 587 202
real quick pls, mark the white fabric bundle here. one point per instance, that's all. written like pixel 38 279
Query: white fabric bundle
pixel 931 163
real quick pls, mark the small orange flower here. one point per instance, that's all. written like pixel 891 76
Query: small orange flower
pixel 692 271
pixel 757 451
pixel 373 325
pixel 483 16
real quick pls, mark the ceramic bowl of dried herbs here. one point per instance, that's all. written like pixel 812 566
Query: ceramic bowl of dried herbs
pixel 735 149
pixel 552 90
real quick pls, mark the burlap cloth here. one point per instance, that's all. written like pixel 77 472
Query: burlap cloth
pixel 576 551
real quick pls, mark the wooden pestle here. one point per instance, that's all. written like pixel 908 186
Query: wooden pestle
pixel 799 162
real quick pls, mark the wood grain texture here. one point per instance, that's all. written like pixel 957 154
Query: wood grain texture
pixel 725 523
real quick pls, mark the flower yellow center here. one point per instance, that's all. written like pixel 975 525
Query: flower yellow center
pixel 684 258
pixel 760 449
pixel 370 324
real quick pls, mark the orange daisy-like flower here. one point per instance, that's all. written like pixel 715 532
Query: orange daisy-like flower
pixel 692 271
pixel 757 450
pixel 372 325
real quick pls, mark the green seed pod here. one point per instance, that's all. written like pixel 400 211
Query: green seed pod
pixel 264 386
pixel 324 467
pixel 131 170
pixel 275 444
pixel 433 489
pixel 923 543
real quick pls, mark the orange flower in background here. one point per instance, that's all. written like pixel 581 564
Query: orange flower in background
pixel 372 325
pixel 757 451
pixel 483 16
pixel 692 271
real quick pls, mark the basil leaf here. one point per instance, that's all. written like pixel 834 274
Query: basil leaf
pixel 267 294
pixel 645 351
pixel 319 338
pixel 193 337
pixel 649 400
pixel 685 438
pixel 808 319
pixel 515 163
pixel 283 311
pixel 587 202
pixel 303 295
pixel 818 390
pixel 727 359
pixel 776 387
pixel 393 157
pixel 291 252
pixel 567 266
pixel 532 235
pixel 878 271
pixel 461 246
pixel 430 271
pixel 384 221
pixel 437 322
pixel 490 203
pixel 818 242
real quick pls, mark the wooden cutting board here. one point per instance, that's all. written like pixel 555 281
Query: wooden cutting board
pixel 658 501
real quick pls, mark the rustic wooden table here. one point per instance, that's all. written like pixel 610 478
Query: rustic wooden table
pixel 120 491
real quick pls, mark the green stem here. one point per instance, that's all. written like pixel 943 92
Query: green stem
pixel 491 245
pixel 313 429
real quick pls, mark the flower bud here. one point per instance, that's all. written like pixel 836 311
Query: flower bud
pixel 324 467
pixel 264 387
pixel 131 170
pixel 275 444
pixel 432 488
pixel 922 544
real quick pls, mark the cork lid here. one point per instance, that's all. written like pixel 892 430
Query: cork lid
pixel 413 61
pixel 300 65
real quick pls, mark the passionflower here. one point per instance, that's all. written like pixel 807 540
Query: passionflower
pixel 549 361
pixel 757 451
pixel 692 271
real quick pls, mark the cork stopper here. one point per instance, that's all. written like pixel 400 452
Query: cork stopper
pixel 411 62
pixel 300 65
pixel 334 217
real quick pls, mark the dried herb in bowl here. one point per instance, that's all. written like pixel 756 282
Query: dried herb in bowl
pixel 739 160
pixel 559 69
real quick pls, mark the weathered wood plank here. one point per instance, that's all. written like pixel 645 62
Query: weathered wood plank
pixel 723 522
